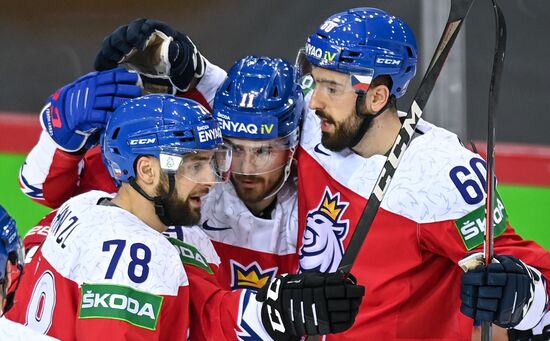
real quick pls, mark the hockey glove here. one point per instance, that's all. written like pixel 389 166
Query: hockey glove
pixel 311 303
pixel 155 50
pixel 76 113
pixel 501 293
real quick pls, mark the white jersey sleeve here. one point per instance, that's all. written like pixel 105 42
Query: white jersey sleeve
pixel 14 331
pixel 213 78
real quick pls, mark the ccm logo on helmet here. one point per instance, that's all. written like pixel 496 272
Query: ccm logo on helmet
pixel 148 140
pixel 387 61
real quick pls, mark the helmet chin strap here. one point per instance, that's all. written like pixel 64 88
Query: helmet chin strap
pixel 367 118
pixel 158 201
pixel 285 177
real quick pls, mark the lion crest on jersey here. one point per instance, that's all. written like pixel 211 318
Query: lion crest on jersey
pixel 325 232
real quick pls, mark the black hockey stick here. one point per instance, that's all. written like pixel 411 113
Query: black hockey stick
pixel 459 10
pixel 498 64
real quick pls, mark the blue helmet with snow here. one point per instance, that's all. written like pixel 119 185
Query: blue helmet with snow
pixel 162 126
pixel 365 43
pixel 179 132
pixel 259 108
pixel 260 99
pixel 12 258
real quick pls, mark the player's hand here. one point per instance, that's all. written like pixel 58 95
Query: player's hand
pixel 502 293
pixel 155 50
pixel 75 114
pixel 311 303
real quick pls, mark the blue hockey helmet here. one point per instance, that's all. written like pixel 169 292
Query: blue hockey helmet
pixel 366 43
pixel 11 255
pixel 165 127
pixel 260 99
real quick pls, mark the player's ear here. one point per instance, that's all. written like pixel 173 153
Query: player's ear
pixel 147 169
pixel 379 96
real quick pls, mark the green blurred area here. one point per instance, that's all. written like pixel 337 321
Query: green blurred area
pixel 529 211
pixel 528 207
pixel 25 212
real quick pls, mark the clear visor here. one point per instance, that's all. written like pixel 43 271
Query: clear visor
pixel 332 84
pixel 200 166
pixel 257 157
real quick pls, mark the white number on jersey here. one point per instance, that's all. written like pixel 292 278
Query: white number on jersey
pixel 42 304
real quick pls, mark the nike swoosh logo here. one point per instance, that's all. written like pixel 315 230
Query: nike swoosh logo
pixel 213 228
pixel 318 150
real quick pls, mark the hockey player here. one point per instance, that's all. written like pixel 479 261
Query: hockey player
pixel 361 61
pixel 338 218
pixel 252 220
pixel 328 210
pixel 259 204
pixel 11 265
pixel 106 266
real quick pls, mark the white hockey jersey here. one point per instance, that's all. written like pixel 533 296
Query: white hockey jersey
pixel 252 250
pixel 432 215
pixel 102 272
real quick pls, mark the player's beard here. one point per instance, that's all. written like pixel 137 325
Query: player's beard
pixel 265 186
pixel 177 211
pixel 344 132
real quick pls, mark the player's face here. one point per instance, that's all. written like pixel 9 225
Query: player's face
pixel 255 188
pixel 184 205
pixel 333 100
pixel 257 167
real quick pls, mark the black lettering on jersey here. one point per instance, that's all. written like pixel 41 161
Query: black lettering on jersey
pixel 63 225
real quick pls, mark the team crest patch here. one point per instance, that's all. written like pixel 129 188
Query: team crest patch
pixel 325 232
pixel 471 227
pixel 251 276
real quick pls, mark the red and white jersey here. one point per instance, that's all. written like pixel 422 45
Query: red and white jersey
pixel 252 250
pixel 13 331
pixel 111 275
pixel 432 215
pixel 50 176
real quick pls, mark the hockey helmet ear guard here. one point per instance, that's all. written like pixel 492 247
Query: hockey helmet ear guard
pixel 365 43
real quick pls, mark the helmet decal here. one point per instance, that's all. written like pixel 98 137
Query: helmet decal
pixel 260 99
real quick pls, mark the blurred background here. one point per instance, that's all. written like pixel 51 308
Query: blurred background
pixel 48 44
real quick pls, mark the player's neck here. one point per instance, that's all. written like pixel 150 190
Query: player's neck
pixel 129 199
pixel 262 209
pixel 380 137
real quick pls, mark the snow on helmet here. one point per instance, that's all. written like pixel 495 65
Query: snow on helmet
pixel 366 43
pixel 12 258
pixel 260 99
pixel 165 127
